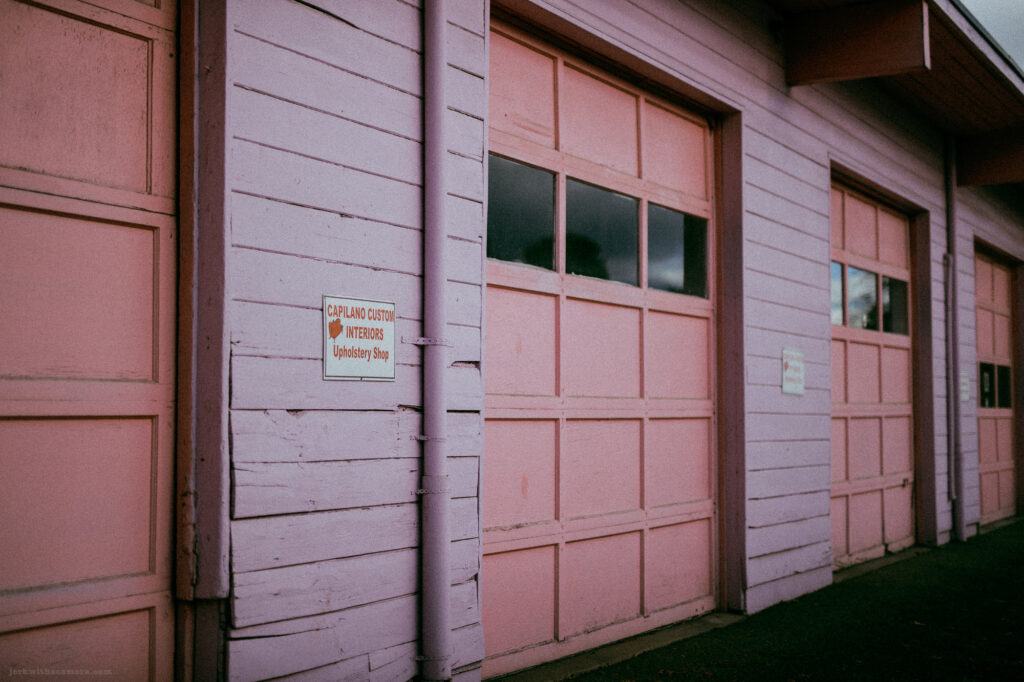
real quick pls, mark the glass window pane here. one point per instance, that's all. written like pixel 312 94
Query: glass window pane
pixel 1003 380
pixel 894 306
pixel 601 233
pixel 676 251
pixel 863 301
pixel 520 213
pixel 836 273
pixel 987 384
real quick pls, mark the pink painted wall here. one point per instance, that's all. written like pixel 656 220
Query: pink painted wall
pixel 324 119
pixel 324 122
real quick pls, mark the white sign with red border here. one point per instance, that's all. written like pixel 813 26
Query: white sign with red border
pixel 792 371
pixel 359 339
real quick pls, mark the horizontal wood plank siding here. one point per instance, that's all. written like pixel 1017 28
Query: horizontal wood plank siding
pixel 325 121
pixel 325 118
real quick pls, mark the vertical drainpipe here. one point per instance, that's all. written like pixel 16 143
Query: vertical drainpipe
pixel 954 458
pixel 434 491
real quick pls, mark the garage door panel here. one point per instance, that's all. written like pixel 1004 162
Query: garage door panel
pixel 839 450
pixel 600 379
pixel 997 413
pixel 862 373
pixel 678 566
pixel 670 373
pixel 88 249
pixel 985 339
pixel 599 121
pixel 522 91
pixel 1007 489
pixel 519 591
pixel 873 494
pixel 79 297
pixel 990 493
pixel 604 360
pixel 104 110
pixel 860 227
pixel 601 579
pixel 897 437
pixel 895 375
pixel 519 476
pixel 987 451
pixel 983 281
pixel 865 521
pixel 678 461
pixel 600 466
pixel 521 351
pixel 115 647
pixel 893 239
pixel 865 448
pixel 1001 288
pixel 85 523
pixel 899 524
pixel 840 533
pixel 1001 336
pixel 1004 438
pixel 838 371
pixel 671 143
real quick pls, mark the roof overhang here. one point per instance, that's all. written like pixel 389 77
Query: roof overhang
pixel 931 53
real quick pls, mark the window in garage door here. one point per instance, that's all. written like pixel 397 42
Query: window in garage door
pixel 872 406
pixel 599 481
pixel 993 283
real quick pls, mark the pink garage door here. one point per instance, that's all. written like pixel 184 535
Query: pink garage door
pixel 87 290
pixel 996 461
pixel 599 473
pixel 872 407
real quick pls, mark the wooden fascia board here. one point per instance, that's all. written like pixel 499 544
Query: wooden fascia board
pixel 881 38
pixel 991 158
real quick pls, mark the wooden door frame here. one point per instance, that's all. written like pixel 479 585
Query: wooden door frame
pixel 1016 268
pixel 202 570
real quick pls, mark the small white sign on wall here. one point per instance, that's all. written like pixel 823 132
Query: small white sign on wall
pixel 359 339
pixel 965 386
pixel 792 371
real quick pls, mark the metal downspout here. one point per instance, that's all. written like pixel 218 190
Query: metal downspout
pixel 434 490
pixel 954 455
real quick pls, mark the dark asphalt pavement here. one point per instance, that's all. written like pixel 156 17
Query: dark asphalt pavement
pixel 953 613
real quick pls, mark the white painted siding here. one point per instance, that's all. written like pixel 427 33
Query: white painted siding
pixel 325 132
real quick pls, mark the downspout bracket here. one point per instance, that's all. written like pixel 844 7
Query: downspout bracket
pixel 425 341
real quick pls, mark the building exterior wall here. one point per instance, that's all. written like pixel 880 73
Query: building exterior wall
pixel 325 127
pixel 987 220
pixel 324 188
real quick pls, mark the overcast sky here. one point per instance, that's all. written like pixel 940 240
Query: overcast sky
pixel 1004 20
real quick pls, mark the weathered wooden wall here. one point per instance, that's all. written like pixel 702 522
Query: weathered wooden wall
pixel 324 117
pixel 325 122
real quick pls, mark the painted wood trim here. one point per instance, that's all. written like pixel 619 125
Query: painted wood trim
pixel 731 365
pixel 1017 307
pixel 879 38
pixel 210 235
pixel 922 360
pixel 991 159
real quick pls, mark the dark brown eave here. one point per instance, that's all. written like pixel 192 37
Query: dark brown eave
pixel 950 70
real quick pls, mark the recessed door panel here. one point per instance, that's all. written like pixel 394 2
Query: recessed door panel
pixel 997 460
pixel 599 505
pixel 88 248
pixel 872 380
